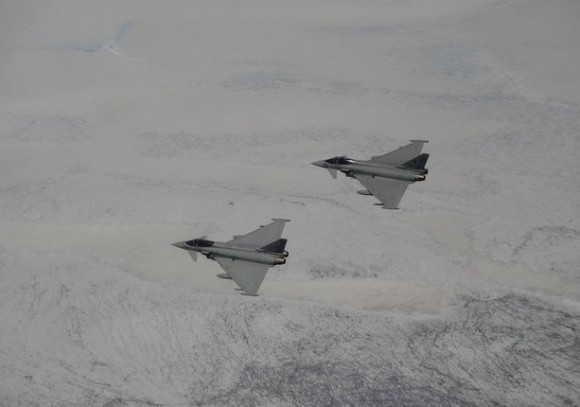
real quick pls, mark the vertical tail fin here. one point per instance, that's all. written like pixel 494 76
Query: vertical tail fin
pixel 417 163
pixel 275 247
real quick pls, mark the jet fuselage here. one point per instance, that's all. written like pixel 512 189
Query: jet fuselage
pixel 349 166
pixel 212 250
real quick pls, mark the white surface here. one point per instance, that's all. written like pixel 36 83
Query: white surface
pixel 126 126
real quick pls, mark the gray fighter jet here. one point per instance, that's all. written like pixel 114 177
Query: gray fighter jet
pixel 385 176
pixel 245 258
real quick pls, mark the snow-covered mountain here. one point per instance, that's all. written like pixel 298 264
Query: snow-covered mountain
pixel 127 126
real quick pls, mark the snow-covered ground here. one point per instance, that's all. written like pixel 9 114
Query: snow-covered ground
pixel 128 125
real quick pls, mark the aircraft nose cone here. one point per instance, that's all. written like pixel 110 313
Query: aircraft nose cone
pixel 179 245
pixel 319 164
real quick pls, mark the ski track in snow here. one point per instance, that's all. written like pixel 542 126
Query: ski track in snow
pixel 466 296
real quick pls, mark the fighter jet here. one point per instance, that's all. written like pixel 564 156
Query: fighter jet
pixel 245 258
pixel 385 176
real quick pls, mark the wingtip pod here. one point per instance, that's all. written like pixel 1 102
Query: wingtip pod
pixel 280 220
pixel 419 141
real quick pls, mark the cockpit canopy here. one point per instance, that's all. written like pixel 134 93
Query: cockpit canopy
pixel 341 160
pixel 199 243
